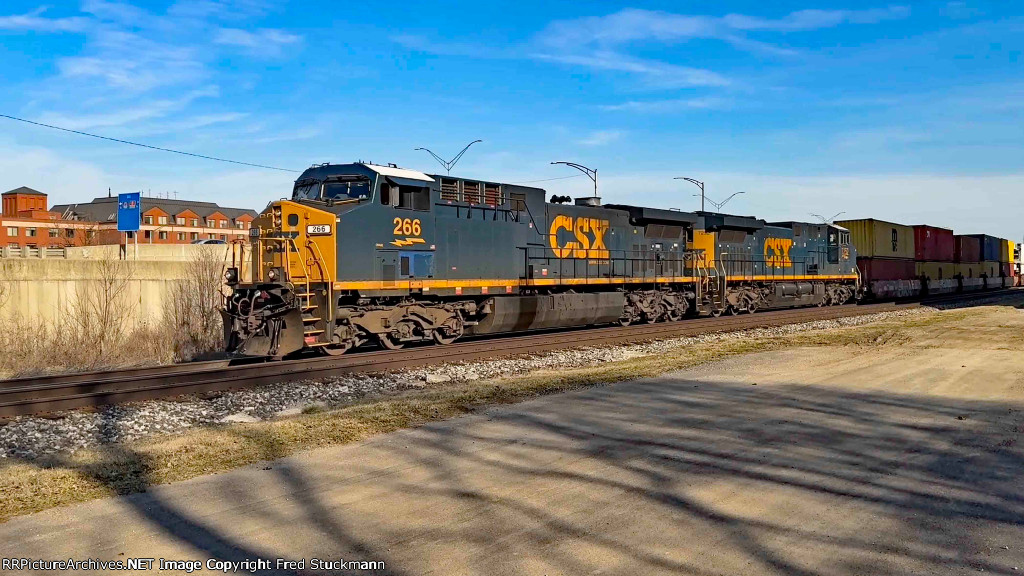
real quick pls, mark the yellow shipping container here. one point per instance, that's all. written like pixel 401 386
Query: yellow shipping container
pixel 880 239
pixel 935 270
pixel 1007 252
pixel 968 269
pixel 991 269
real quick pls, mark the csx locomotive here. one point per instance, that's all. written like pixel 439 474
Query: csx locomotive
pixel 370 254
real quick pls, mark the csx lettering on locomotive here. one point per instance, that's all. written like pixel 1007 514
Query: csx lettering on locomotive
pixel 589 234
pixel 776 252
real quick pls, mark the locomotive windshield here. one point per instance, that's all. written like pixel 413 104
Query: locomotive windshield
pixel 341 187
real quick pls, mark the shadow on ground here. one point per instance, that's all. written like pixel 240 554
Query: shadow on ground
pixel 664 476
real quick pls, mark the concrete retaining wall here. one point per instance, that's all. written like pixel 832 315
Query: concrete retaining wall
pixel 44 290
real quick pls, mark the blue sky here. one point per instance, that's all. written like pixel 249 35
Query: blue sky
pixel 908 111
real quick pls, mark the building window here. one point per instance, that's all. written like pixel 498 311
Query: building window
pixel 195 223
pixel 131 235
pixel 70 232
pixel 163 235
pixel 147 234
pixel 211 236
pixel 224 237
pixel 195 235
pixel 179 221
pixel 163 220
pixel 181 236
pixel 240 225
pixel 223 223
pixel 12 231
pixel 149 220
pixel 13 245
pixel 30 232
pixel 54 233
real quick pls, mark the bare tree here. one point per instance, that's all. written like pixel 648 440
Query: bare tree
pixel 102 315
pixel 195 305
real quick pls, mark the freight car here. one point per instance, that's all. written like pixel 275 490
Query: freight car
pixel 365 253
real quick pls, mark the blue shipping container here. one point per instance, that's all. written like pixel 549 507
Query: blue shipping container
pixel 991 247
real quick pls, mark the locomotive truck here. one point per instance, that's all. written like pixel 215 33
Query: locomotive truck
pixel 371 254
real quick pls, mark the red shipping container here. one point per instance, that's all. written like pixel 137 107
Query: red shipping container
pixel 933 244
pixel 872 269
pixel 966 249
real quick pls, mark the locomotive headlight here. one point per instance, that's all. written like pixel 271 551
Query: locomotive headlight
pixel 231 275
pixel 272 275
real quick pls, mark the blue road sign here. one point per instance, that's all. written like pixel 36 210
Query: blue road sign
pixel 129 212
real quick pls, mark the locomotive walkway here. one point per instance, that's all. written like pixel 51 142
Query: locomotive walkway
pixel 882 464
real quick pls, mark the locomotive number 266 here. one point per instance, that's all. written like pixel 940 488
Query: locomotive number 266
pixel 408 227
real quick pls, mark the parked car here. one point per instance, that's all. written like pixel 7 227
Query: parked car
pixel 209 241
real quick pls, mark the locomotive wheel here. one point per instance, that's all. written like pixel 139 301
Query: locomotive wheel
pixel 625 321
pixel 451 330
pixel 390 342
pixel 716 312
pixel 751 306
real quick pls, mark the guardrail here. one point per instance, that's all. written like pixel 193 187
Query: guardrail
pixel 33 252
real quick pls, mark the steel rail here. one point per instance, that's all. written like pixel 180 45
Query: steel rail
pixel 36 395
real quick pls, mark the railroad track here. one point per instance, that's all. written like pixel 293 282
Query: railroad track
pixel 25 396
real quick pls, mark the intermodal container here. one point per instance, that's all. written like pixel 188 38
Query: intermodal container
pixel 966 249
pixel 932 244
pixel 968 269
pixel 1005 251
pixel 991 247
pixel 880 239
pixel 992 269
pixel 1011 252
pixel 872 269
pixel 935 270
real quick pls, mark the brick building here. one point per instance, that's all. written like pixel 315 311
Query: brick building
pixel 166 221
pixel 27 223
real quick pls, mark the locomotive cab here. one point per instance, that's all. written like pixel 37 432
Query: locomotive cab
pixel 298 255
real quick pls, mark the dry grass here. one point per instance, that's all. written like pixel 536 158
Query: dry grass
pixel 125 469
pixel 96 331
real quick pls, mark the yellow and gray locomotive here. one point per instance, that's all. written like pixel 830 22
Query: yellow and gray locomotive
pixel 369 254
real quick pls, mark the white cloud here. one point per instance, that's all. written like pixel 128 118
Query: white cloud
pixel 265 41
pixel 660 74
pixel 129 115
pixel 34 22
pixel 600 41
pixel 671 105
pixel 803 20
pixel 600 137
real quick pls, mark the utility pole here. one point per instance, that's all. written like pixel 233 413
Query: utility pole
pixel 718 205
pixel 827 220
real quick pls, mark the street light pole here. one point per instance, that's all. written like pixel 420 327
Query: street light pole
pixel 449 164
pixel 697 183
pixel 590 172
pixel 827 220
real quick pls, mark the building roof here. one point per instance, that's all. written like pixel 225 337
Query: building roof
pixel 104 209
pixel 24 190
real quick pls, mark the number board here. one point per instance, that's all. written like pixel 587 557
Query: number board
pixel 318 229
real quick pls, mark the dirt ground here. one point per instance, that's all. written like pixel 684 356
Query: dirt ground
pixel 895 448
